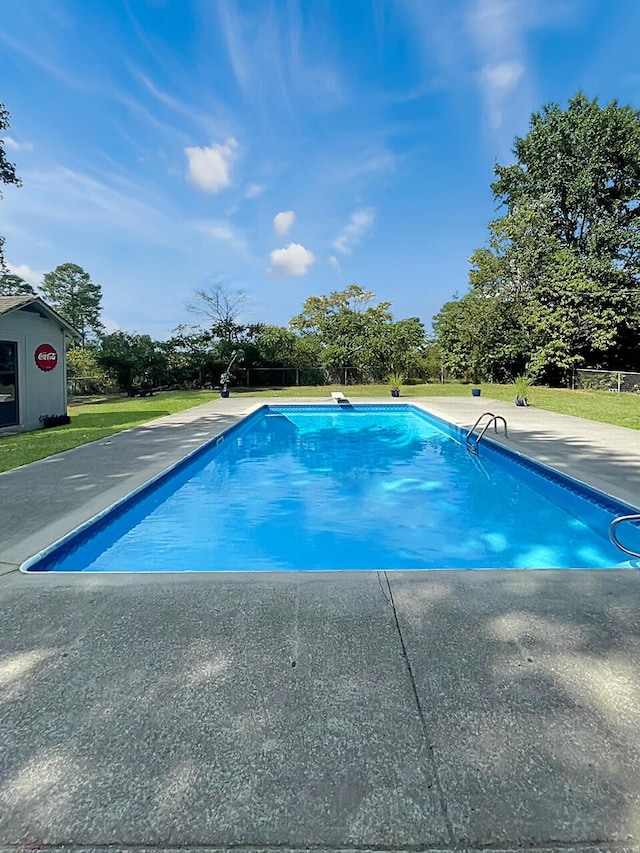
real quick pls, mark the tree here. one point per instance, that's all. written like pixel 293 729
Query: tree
pixel 192 357
pixel 222 308
pixel 279 346
pixel 7 172
pixel 14 285
pixel 136 362
pixel 71 292
pixel 84 373
pixel 480 338
pixel 564 261
pixel 348 330
pixel 584 162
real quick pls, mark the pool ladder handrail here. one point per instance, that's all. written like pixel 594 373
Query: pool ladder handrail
pixel 613 536
pixel 493 419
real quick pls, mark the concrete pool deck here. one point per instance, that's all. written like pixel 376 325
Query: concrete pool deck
pixel 359 711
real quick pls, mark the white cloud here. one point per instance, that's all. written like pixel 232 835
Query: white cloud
pixel 224 232
pixel 11 145
pixel 210 168
pixel 283 221
pixel 500 32
pixel 254 190
pixel 504 76
pixel 335 263
pixel 294 261
pixel 25 272
pixel 498 84
pixel 351 236
pixel 110 325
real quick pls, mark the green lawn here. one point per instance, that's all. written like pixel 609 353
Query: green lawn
pixel 91 421
pixel 94 420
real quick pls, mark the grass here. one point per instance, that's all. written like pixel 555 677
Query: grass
pixel 93 420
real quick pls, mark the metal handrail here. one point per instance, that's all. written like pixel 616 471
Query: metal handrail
pixel 493 419
pixel 612 532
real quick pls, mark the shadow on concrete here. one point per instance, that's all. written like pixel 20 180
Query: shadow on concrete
pixel 253 712
pixel 529 683
pixel 169 712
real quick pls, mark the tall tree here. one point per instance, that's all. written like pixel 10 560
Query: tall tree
pixel 222 308
pixel 583 164
pixel 565 258
pixel 71 292
pixel 14 285
pixel 348 330
pixel 7 173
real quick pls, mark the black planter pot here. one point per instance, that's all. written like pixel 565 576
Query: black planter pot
pixel 49 421
pixel 224 393
pixel 395 392
pixel 521 401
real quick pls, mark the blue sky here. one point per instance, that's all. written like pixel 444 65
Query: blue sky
pixel 284 147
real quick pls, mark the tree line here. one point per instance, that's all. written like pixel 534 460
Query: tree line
pixel 343 330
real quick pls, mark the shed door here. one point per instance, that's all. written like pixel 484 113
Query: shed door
pixel 8 383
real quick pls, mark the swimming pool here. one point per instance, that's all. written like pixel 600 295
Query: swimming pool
pixel 362 487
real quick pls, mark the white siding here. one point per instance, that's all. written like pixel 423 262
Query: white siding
pixel 39 392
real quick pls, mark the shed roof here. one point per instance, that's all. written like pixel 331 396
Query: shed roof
pixel 10 303
pixel 36 305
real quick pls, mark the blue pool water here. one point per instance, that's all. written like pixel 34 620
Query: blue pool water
pixel 367 487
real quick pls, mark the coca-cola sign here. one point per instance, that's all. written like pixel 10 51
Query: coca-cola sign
pixel 46 357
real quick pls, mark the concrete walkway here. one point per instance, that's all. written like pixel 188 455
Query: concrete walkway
pixel 341 711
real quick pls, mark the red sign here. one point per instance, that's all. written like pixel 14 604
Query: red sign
pixel 46 357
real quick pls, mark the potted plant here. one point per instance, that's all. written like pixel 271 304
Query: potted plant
pixel 227 376
pixel 475 392
pixel 395 381
pixel 521 385
pixel 225 379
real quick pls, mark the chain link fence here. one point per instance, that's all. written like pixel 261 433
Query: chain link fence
pixel 86 386
pixel 607 380
pixel 258 377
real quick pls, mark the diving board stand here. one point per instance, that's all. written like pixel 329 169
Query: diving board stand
pixel 339 398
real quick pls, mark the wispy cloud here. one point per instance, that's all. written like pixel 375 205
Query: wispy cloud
pixel 231 28
pixel 498 82
pixel 254 190
pixel 210 168
pixel 335 263
pixel 283 221
pixel 60 194
pixel 76 82
pixel 497 29
pixel 11 145
pixel 269 54
pixel 291 262
pixel 360 222
pixel 224 232
pixel 485 41
pixel 176 105
pixel 24 271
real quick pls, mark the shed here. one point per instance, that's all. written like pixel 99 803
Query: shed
pixel 33 370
